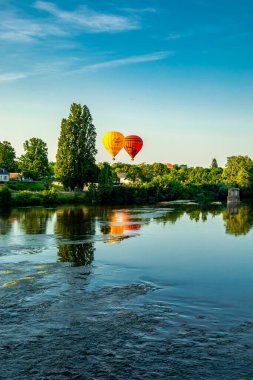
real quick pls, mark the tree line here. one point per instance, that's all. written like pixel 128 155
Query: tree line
pixel 75 159
pixel 75 166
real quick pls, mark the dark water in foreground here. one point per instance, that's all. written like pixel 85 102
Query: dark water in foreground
pixel 136 293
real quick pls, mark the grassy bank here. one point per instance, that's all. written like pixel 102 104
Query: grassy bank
pixel 46 198
pixel 146 193
pixel 14 198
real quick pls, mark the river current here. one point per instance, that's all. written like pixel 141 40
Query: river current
pixel 161 292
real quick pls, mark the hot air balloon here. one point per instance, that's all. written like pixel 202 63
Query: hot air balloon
pixel 113 142
pixel 133 145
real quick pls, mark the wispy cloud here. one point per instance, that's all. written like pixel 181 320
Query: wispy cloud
pixel 138 10
pixel 90 20
pixel 20 27
pixel 7 77
pixel 15 28
pixel 66 67
pixel 158 56
pixel 196 32
pixel 174 36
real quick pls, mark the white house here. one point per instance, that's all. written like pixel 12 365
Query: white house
pixel 122 178
pixel 4 175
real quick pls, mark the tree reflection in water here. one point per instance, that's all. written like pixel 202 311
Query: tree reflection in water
pixel 33 221
pixel 6 223
pixel 77 254
pixel 75 230
pixel 238 220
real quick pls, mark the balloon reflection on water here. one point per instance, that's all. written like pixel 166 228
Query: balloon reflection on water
pixel 120 227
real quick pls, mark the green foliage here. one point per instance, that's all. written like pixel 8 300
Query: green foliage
pixel 156 182
pixel 50 197
pixel 27 198
pixel 106 176
pixel 34 163
pixel 238 172
pixel 75 159
pixel 7 157
pixel 5 197
pixel 105 183
pixel 28 186
pixel 51 167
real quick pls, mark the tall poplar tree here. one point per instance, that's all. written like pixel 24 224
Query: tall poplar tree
pixel 75 159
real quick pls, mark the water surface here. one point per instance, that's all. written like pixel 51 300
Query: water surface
pixel 127 293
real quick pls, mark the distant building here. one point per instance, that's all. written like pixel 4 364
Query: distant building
pixel 15 177
pixel 169 166
pixel 122 178
pixel 4 175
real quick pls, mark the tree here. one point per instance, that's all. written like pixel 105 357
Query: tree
pixel 105 180
pixel 34 163
pixel 214 163
pixel 243 178
pixel 75 159
pixel 238 171
pixel 7 156
pixel 106 175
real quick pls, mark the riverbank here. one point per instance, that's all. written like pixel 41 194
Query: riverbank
pixel 12 198
pixel 136 194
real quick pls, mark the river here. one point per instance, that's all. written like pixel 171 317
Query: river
pixel 162 292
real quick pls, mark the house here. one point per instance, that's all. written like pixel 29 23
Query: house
pixel 122 178
pixel 15 177
pixel 4 175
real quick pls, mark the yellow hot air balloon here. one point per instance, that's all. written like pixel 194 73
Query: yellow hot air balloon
pixel 113 142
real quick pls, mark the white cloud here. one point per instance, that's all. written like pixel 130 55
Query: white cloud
pixel 18 27
pixel 90 20
pixel 14 28
pixel 129 61
pixel 64 67
pixel 6 77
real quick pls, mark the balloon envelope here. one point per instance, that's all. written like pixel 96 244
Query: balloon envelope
pixel 133 145
pixel 113 142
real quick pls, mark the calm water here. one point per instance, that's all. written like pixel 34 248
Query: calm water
pixel 160 292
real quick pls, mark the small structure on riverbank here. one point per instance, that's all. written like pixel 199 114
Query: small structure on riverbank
pixel 233 195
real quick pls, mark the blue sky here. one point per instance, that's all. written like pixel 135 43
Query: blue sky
pixel 179 73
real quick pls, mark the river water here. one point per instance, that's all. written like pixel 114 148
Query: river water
pixel 163 292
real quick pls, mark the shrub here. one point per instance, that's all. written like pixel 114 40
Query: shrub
pixel 50 196
pixel 27 186
pixel 5 197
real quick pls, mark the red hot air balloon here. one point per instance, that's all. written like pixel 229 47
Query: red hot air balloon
pixel 133 145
